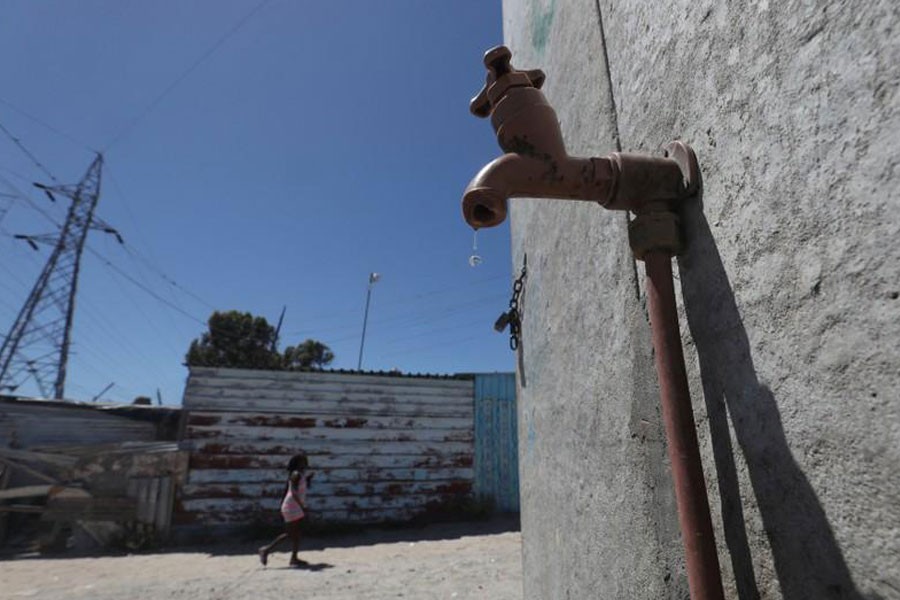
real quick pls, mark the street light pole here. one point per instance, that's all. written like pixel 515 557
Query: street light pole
pixel 373 279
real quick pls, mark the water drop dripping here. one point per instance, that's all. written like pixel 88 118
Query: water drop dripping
pixel 475 260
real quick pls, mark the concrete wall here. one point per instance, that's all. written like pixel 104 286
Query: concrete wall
pixel 788 292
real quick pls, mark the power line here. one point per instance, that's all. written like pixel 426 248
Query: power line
pixel 398 301
pixel 99 322
pixel 137 256
pixel 420 318
pixel 184 75
pixel 29 201
pixel 47 126
pixel 402 320
pixel 103 259
pixel 143 287
pixel 434 346
pixel 28 153
pixel 36 366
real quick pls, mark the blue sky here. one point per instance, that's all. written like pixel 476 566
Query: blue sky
pixel 319 142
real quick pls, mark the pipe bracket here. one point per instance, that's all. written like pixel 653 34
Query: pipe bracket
pixel 658 231
pixel 657 227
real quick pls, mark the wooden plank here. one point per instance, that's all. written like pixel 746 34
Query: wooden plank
pixel 319 420
pixel 26 469
pixel 5 476
pixel 164 506
pixel 314 447
pixel 25 491
pixel 78 451
pixel 330 475
pixel 249 402
pixel 41 457
pixel 90 509
pixel 21 508
pixel 226 433
pixel 151 499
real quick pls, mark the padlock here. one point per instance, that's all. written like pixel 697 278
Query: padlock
pixel 502 321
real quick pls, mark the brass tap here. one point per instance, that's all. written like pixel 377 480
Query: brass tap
pixel 536 164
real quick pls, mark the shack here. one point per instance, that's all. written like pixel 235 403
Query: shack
pixel 383 447
pixel 88 474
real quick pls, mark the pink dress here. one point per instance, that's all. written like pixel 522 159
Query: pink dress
pixel 290 509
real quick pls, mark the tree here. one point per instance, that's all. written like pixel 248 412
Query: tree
pixel 237 340
pixel 311 354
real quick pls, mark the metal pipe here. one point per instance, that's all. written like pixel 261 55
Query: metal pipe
pixel 362 341
pixel 536 165
pixel 373 279
pixel 704 577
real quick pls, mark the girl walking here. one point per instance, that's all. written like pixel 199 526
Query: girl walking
pixel 293 507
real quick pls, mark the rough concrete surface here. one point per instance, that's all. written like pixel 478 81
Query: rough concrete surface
pixel 443 562
pixel 788 293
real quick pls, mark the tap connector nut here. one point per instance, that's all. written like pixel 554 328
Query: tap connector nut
pixel 657 231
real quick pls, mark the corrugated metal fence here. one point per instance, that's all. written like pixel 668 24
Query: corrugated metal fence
pixel 496 440
pixel 30 423
pixel 382 447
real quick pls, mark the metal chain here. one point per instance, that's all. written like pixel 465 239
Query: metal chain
pixel 512 317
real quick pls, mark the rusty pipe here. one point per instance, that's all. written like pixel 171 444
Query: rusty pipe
pixel 704 578
pixel 537 165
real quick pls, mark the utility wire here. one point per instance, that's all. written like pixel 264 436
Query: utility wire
pixel 416 319
pixel 103 259
pixel 399 301
pixel 28 153
pixel 29 201
pixel 143 287
pixel 434 346
pixel 136 255
pixel 46 125
pixel 184 75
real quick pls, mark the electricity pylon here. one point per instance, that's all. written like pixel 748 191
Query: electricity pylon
pixel 37 345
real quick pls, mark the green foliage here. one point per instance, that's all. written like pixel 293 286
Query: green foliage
pixel 237 340
pixel 240 340
pixel 311 354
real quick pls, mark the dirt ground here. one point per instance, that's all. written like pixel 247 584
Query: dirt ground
pixel 440 561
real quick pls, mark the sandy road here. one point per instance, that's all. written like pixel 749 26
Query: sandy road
pixel 444 561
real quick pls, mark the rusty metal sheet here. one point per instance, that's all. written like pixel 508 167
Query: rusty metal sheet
pixel 312 447
pixel 30 424
pixel 199 419
pixel 240 433
pixel 327 475
pixel 277 462
pixel 248 401
pixel 275 378
pixel 382 447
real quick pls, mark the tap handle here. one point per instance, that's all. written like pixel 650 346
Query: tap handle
pixel 497 62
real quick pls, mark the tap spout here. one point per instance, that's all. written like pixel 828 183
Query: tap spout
pixel 618 181
pixel 537 165
pixel 535 176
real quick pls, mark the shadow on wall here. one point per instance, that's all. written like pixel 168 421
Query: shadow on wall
pixel 808 561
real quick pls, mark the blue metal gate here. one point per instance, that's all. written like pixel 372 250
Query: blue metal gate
pixel 496 440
